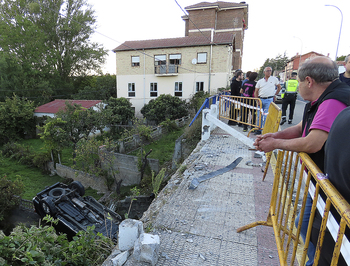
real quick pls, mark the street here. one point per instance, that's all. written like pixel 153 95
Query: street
pixel 298 113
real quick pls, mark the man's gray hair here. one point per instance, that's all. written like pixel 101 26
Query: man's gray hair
pixel 319 71
pixel 267 67
pixel 347 59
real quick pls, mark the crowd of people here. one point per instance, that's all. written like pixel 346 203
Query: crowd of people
pixel 322 133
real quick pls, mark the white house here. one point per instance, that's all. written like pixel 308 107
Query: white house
pixel 203 60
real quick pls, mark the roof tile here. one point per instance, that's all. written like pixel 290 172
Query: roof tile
pixel 56 105
pixel 219 38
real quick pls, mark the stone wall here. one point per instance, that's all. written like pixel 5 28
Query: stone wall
pixel 126 165
pixel 85 179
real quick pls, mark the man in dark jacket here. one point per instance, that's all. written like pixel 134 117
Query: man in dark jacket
pixel 236 85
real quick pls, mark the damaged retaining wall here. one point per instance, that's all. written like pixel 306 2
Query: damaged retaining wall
pixel 126 165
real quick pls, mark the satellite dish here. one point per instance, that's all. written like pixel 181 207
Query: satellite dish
pixel 194 61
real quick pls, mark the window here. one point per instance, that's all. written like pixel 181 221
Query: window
pixel 199 86
pixel 135 61
pixel 153 89
pixel 178 89
pixel 160 60
pixel 202 58
pixel 131 89
pixel 175 59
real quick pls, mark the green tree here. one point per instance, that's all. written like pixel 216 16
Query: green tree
pixel 278 64
pixel 69 126
pixel 95 87
pixel 50 40
pixel 9 192
pixel 163 107
pixel 53 135
pixel 341 58
pixel 16 118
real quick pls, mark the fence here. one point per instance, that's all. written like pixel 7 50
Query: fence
pixel 295 177
pixel 244 110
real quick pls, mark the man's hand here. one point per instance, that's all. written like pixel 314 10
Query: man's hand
pixel 266 144
pixel 261 144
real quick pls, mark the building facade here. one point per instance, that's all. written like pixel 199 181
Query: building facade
pixel 296 61
pixel 203 60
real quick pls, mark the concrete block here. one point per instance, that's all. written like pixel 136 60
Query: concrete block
pixel 146 248
pixel 121 258
pixel 129 231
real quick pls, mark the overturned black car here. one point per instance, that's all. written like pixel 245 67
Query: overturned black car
pixel 75 212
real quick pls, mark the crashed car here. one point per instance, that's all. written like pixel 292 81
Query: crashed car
pixel 75 212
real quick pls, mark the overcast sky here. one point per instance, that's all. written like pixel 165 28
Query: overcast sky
pixel 274 27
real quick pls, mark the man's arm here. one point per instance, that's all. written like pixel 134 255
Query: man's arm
pixel 313 142
pixel 256 93
pixel 278 89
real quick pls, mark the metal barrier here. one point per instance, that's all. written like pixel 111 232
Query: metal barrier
pixel 295 177
pixel 206 104
pixel 271 126
pixel 244 110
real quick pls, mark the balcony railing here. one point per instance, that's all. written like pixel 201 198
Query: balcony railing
pixel 166 70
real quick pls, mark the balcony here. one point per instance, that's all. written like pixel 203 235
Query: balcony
pixel 166 70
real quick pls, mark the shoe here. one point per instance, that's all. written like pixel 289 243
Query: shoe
pixel 257 132
pixel 283 120
pixel 245 129
pixel 232 123
pixel 289 121
pixel 240 125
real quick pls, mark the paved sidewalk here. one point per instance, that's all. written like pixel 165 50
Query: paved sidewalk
pixel 198 227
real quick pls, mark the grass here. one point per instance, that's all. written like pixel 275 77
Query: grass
pixel 33 179
pixel 162 149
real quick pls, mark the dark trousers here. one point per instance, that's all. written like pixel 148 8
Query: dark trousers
pixel 289 99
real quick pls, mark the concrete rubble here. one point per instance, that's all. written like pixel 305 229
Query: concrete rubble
pixel 133 241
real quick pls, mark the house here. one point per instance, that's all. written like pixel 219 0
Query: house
pixel 296 61
pixel 51 108
pixel 202 60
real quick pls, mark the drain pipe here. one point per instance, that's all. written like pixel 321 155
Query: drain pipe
pixel 210 58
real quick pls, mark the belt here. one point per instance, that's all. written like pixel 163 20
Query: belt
pixel 266 97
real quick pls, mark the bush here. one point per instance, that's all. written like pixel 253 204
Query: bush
pixel 24 154
pixel 9 192
pixel 42 246
pixel 197 100
pixel 165 107
pixel 169 125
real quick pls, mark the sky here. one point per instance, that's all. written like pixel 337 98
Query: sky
pixel 275 27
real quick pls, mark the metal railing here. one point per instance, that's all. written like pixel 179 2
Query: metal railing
pixel 206 104
pixel 296 176
pixel 243 110
pixel 166 69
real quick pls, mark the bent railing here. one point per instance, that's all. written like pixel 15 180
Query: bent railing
pixel 296 175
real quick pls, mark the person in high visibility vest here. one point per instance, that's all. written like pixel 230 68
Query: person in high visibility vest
pixel 289 98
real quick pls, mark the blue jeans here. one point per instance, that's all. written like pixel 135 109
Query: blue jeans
pixel 265 106
pixel 305 222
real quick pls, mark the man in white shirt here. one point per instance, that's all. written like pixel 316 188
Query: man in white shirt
pixel 265 90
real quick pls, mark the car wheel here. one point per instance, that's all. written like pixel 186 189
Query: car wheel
pixel 78 187
pixel 57 192
pixel 48 206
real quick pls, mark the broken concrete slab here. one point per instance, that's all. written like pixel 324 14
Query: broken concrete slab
pixel 129 231
pixel 120 259
pixel 146 248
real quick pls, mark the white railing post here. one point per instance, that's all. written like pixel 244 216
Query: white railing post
pixel 205 124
